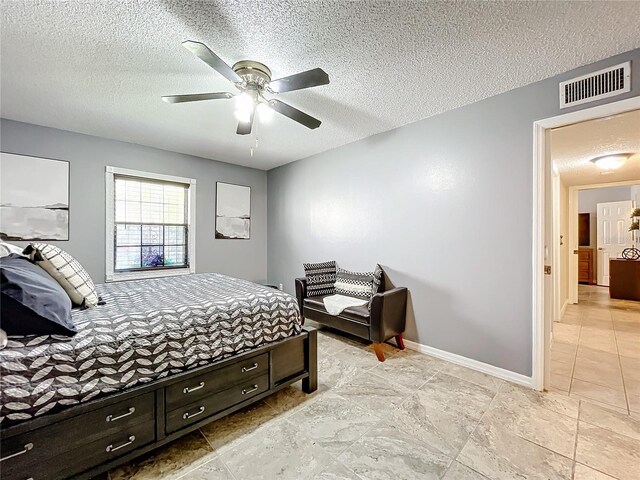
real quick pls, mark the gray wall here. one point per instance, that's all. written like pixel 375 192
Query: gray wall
pixel 89 155
pixel 445 205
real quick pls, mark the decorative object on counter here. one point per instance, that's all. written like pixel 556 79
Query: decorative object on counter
pixel 34 198
pixel 633 253
pixel 233 211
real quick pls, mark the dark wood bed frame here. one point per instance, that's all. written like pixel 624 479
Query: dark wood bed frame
pixel 88 439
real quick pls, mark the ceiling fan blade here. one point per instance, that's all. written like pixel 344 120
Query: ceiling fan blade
pixel 207 56
pixel 195 97
pixel 308 79
pixel 244 128
pixel 295 114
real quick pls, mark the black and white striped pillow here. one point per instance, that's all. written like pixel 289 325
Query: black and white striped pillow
pixel 320 278
pixel 378 280
pixel 354 284
pixel 67 271
pixel 378 283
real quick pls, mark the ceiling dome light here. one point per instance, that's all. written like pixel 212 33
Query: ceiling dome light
pixel 611 162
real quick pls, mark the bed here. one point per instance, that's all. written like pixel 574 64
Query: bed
pixel 160 358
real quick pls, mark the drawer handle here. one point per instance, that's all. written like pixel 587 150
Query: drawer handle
pixel 187 415
pixel 111 418
pixel 25 449
pixel 252 367
pixel 249 390
pixel 186 390
pixel 111 448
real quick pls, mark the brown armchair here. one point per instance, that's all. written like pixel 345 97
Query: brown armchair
pixel 384 320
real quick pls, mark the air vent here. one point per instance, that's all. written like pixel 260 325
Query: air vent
pixel 594 86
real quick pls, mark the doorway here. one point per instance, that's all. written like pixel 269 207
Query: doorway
pixel 546 238
pixel 613 222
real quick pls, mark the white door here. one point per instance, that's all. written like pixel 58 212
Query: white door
pixel 613 235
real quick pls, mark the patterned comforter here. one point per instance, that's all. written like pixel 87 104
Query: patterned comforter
pixel 147 330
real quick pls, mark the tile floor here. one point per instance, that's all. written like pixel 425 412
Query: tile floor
pixel 595 353
pixel 411 417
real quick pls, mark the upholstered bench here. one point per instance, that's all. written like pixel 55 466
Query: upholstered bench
pixel 385 319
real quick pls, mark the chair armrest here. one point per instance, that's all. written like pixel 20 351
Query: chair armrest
pixel 388 314
pixel 301 292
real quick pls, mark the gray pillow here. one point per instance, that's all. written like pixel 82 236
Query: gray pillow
pixel 9 248
pixel 32 303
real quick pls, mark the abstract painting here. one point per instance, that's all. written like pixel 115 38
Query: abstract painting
pixel 233 211
pixel 34 198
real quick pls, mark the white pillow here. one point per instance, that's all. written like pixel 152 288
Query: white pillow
pixel 67 271
pixel 9 248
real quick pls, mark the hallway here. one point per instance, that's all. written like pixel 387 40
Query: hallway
pixel 595 353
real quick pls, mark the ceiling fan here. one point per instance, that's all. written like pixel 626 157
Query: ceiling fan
pixel 253 79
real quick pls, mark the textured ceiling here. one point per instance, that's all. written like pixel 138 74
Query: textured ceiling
pixel 100 67
pixel 573 147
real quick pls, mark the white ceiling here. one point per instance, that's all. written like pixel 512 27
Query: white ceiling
pixel 573 146
pixel 100 67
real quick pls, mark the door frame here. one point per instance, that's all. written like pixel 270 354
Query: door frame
pixel 541 325
pixel 555 266
pixel 573 231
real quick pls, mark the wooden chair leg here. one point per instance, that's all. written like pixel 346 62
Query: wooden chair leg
pixel 377 347
pixel 400 342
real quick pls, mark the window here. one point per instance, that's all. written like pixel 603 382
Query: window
pixel 149 227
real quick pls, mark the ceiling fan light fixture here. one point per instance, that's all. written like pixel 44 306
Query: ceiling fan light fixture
pixel 253 79
pixel 242 116
pixel 610 162
pixel 245 105
pixel 265 112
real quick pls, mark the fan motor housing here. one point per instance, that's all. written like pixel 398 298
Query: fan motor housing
pixel 253 72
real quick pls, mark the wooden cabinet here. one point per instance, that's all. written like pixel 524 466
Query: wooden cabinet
pixel 585 265
pixel 584 229
pixel 624 281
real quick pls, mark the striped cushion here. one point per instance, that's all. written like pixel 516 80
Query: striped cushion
pixel 378 280
pixel 320 278
pixel 354 284
pixel 378 283
pixel 67 271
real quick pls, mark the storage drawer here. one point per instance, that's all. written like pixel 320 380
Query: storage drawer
pixel 37 463
pixel 189 391
pixel 205 407
pixel 53 440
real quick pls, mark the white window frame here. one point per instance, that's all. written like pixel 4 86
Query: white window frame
pixel 113 276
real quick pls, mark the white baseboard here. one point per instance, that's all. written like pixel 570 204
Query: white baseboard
pixel 470 363
pixel 564 308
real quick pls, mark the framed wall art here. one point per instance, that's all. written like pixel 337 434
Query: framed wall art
pixel 34 198
pixel 233 211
